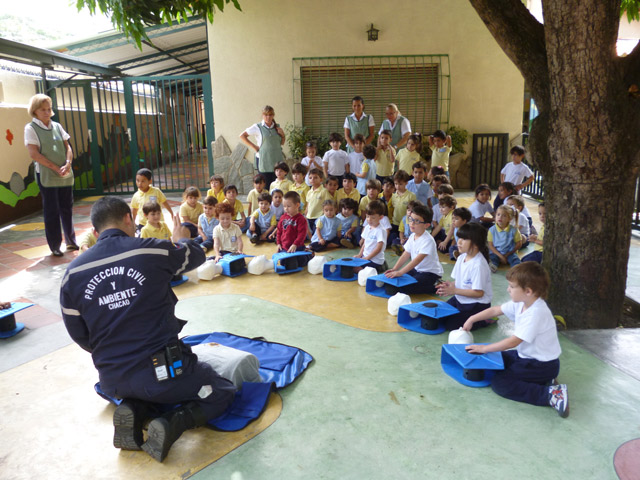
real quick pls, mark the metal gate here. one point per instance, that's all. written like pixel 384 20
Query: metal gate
pixel 118 126
pixel 490 153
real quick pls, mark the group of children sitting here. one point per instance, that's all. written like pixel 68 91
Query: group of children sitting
pixel 415 215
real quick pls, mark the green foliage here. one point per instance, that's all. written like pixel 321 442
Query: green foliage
pixel 297 138
pixel 631 8
pixel 459 137
pixel 132 16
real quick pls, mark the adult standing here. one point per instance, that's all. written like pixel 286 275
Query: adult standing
pixel 399 126
pixel 117 304
pixel 269 140
pixel 48 146
pixel 358 122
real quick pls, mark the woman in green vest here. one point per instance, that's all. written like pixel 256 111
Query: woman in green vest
pixel 358 122
pixel 398 125
pixel 269 140
pixel 48 146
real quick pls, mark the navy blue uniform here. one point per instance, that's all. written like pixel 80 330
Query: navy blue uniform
pixel 117 304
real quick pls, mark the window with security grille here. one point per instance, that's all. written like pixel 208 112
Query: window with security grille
pixel 418 84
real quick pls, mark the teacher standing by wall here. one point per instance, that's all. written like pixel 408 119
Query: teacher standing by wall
pixel 49 147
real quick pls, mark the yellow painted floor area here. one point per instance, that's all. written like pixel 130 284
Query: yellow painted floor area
pixel 47 406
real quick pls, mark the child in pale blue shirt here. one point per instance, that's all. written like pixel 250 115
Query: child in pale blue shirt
pixel 206 223
pixel 418 186
pixel 350 223
pixel 327 232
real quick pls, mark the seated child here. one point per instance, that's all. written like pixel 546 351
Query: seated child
pixel 231 197
pixel 281 182
pixel 433 172
pixel 459 217
pixel 263 221
pixel 227 237
pixel 482 205
pixel 504 240
pixel 327 233
pixel 505 189
pixel 517 203
pixel 298 172
pixel 335 161
pixel 367 169
pixel 350 223
pixel 472 291
pixel 373 190
pixel 348 189
pixel 385 156
pixel 418 186
pixel 436 182
pixel 206 223
pixel 444 189
pixel 292 227
pixel 88 240
pixel 538 240
pixel 259 183
pixel 407 157
pixel 399 201
pixel 440 144
pixel 190 210
pixel 277 204
pixel 217 188
pixel 420 256
pixel 374 238
pixel 311 160
pixel 146 193
pixel 534 364
pixel 356 158
pixel 515 171
pixel 154 226
pixel 331 185
pixel 388 189
pixel 316 196
pixel 446 204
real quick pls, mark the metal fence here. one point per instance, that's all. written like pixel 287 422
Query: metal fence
pixel 489 155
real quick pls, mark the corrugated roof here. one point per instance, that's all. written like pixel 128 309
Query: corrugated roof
pixel 175 49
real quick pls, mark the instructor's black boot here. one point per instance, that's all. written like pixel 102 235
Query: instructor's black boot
pixel 165 430
pixel 128 420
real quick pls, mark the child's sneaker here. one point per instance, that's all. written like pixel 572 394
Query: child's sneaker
pixel 346 243
pixel 253 238
pixel 559 399
pixel 493 267
pixel 397 248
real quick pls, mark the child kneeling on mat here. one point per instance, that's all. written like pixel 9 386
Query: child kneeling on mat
pixel 421 250
pixel 472 291
pixel 531 369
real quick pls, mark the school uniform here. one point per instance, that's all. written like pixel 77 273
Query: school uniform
pixel 440 157
pixel 384 167
pixel 534 362
pixel 306 161
pixel 283 185
pixel 192 213
pixel 372 236
pixel 207 225
pixel 471 274
pixel 398 128
pixel 516 172
pixel 228 238
pixel 336 162
pixel 328 228
pixel 263 221
pixel 360 126
pixel 406 159
pixel 479 210
pixel 422 190
pixel 139 198
pixel 536 255
pixel 504 240
pixel 346 224
pixel 429 270
pixel 368 167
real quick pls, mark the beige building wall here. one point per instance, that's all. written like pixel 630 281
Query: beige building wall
pixel 252 51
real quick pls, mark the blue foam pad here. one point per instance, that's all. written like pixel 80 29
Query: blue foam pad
pixel 248 404
pixel 332 270
pixel 15 307
pixel 455 359
pixel 183 279
pixel 375 285
pixel 226 261
pixel 278 257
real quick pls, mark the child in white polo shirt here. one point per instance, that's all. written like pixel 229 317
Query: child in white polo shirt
pixel 420 256
pixel 516 171
pixel 531 369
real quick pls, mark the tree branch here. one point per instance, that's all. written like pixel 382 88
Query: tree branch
pixel 521 37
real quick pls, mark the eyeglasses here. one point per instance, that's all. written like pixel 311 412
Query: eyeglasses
pixel 413 220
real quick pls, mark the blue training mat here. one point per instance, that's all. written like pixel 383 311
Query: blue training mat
pixel 455 359
pixel 280 365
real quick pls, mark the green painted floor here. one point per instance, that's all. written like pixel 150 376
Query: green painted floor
pixel 377 405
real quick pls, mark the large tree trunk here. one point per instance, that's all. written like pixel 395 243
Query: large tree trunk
pixel 586 143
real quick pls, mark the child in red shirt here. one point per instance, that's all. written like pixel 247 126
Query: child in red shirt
pixel 292 227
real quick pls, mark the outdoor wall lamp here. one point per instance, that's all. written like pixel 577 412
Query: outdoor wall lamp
pixel 372 33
